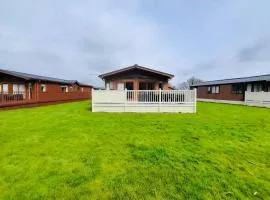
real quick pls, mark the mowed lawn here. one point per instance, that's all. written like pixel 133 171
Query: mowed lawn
pixel 67 152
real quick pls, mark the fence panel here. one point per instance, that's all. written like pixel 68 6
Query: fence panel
pixel 257 96
pixel 144 101
pixel 261 99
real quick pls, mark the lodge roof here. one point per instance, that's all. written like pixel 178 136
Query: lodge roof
pixel 265 77
pixel 29 77
pixel 136 67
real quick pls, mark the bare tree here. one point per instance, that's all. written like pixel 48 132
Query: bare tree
pixel 191 81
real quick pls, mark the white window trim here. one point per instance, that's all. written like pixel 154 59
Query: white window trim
pixel 5 89
pixel 18 88
pixel 215 89
pixel 15 88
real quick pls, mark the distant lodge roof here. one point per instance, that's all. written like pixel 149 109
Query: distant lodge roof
pixel 136 67
pixel 236 80
pixel 41 78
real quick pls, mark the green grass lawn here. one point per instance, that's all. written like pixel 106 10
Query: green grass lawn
pixel 67 152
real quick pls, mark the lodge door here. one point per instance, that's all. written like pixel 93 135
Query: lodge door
pixel 129 85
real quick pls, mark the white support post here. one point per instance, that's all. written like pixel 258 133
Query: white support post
pixel 195 100
pixel 125 99
pixel 92 95
pixel 159 105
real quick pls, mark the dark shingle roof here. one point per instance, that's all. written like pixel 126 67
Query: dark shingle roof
pixel 37 77
pixel 236 80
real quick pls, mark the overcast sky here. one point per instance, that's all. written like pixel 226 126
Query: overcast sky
pixel 209 39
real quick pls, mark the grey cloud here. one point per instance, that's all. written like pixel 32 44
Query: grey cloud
pixel 253 59
pixel 101 63
pixel 47 57
pixel 199 68
pixel 256 52
pixel 78 40
pixel 57 46
pixel 93 46
pixel 209 65
pixel 98 45
pixel 259 51
pixel 81 39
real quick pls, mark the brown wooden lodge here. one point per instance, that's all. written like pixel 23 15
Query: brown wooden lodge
pixel 21 90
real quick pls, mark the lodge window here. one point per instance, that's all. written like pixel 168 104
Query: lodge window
pixel 142 86
pixel 209 89
pixel 257 87
pixel 146 86
pixel 18 88
pixel 43 88
pixel 82 89
pixel 160 86
pixel 213 89
pixel 237 88
pixel 15 88
pixel 64 88
pixel 5 88
pixel 151 86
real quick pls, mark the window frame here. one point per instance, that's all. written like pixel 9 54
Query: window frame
pixel 3 91
pixel 66 88
pixel 150 86
pixel 15 88
pixel 209 89
pixel 237 88
pixel 43 86
pixel 213 89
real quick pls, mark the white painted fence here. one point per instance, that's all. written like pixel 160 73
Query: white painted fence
pixel 144 101
pixel 257 98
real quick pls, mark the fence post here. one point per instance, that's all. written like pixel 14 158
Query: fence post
pixel 92 100
pixel 125 99
pixel 159 104
pixel 195 100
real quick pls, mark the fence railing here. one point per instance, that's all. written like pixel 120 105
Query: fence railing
pixel 26 97
pixel 162 96
pixel 144 101
pixel 14 96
